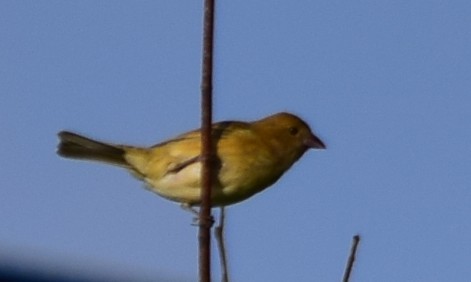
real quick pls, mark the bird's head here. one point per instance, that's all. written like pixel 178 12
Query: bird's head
pixel 288 134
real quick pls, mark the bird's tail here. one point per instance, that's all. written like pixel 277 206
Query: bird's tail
pixel 78 147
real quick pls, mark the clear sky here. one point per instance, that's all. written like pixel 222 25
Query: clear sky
pixel 386 84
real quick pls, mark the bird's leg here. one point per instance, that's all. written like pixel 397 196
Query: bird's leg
pixel 196 219
pixel 189 208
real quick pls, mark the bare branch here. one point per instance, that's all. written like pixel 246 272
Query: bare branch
pixel 219 234
pixel 207 155
pixel 351 258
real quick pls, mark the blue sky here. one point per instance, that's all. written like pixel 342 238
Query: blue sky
pixel 386 84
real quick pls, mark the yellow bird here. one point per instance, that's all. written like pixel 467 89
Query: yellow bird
pixel 251 156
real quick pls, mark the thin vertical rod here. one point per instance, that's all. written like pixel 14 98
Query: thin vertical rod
pixel 351 258
pixel 219 234
pixel 205 218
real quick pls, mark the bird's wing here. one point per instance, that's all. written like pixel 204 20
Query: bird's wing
pixel 174 155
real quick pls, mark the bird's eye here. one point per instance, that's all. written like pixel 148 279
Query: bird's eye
pixel 293 130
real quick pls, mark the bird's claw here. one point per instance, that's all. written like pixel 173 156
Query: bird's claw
pixel 196 219
pixel 208 222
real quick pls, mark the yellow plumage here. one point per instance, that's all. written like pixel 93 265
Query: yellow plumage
pixel 250 157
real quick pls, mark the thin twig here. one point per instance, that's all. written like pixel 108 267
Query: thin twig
pixel 205 219
pixel 351 258
pixel 219 234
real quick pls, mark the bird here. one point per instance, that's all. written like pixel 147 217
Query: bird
pixel 249 157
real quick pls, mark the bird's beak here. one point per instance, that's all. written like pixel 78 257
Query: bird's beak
pixel 314 142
